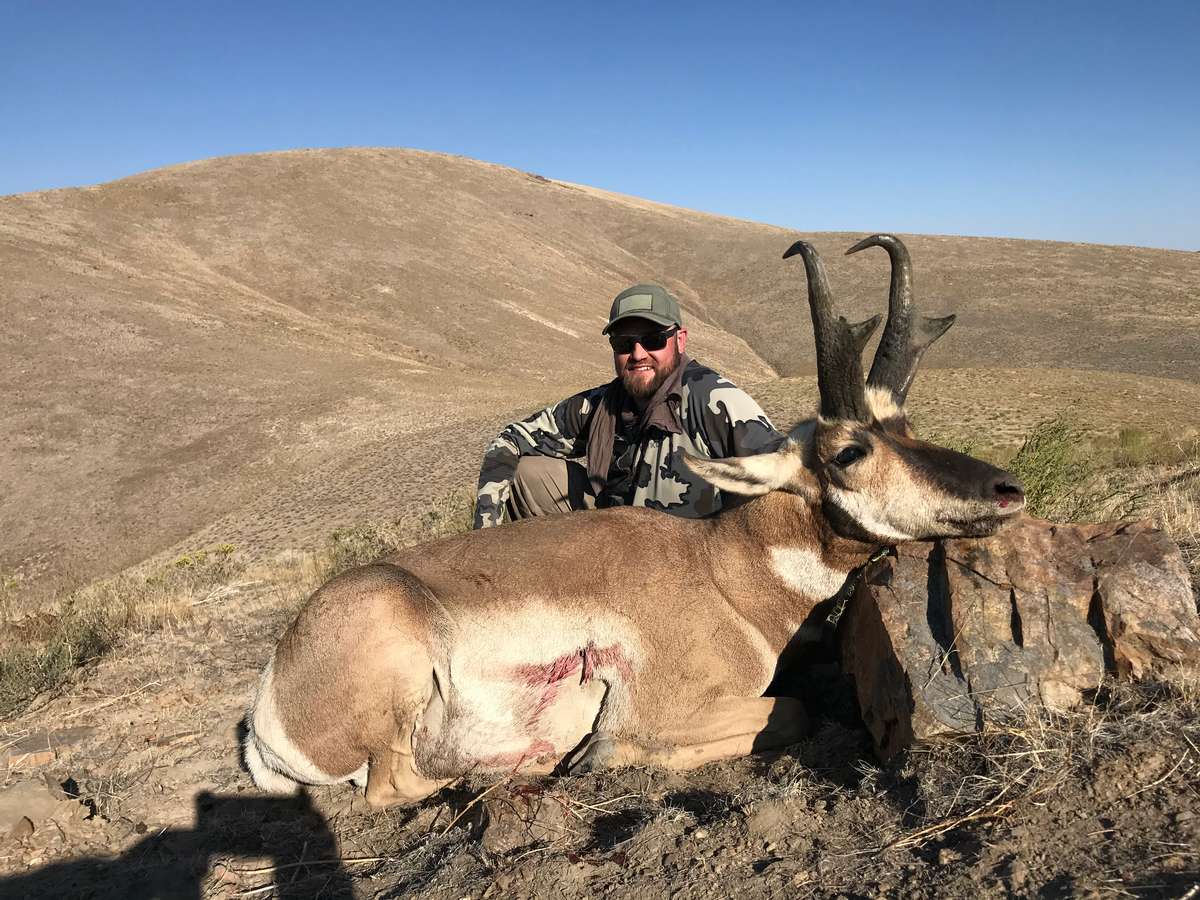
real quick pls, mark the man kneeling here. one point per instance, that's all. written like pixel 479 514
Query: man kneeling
pixel 622 443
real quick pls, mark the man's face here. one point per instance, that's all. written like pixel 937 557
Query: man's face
pixel 643 371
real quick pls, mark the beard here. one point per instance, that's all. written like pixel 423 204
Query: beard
pixel 639 389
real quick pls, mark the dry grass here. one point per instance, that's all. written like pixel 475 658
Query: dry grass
pixel 1007 768
pixel 41 651
pixel 1134 447
pixel 1172 498
pixel 1177 506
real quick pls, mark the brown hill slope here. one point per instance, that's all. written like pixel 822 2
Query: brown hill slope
pixel 268 347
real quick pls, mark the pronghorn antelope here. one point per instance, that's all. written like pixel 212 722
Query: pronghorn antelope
pixel 621 636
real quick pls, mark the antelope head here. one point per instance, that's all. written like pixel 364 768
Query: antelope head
pixel 859 460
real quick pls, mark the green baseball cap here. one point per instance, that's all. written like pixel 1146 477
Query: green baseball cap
pixel 645 301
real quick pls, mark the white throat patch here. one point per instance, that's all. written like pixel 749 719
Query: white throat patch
pixel 804 572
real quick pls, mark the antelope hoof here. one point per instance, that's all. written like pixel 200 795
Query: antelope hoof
pixel 594 755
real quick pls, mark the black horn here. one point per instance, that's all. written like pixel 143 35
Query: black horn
pixel 839 344
pixel 906 335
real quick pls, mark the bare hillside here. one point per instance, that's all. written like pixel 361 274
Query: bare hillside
pixel 260 349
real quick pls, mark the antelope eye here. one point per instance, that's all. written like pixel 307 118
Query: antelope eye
pixel 848 455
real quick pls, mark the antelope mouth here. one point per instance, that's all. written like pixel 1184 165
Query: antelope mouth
pixel 984 525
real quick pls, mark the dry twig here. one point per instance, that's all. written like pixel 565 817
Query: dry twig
pixel 598 807
pixel 467 808
pixel 109 702
pixel 1159 781
pixel 336 861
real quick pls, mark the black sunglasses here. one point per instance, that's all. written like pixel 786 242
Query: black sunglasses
pixel 656 340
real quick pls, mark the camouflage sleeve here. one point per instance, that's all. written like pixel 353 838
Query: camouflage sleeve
pixel 730 421
pixel 557 431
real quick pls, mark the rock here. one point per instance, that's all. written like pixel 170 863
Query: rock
pixel 44 747
pixel 29 759
pixel 503 882
pixel 26 800
pixel 23 829
pixel 767 818
pixel 1018 873
pixel 522 816
pixel 222 874
pixel 948 635
pixel 60 789
pixel 172 740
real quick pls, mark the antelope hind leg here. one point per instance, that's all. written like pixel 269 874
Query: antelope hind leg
pixel 729 728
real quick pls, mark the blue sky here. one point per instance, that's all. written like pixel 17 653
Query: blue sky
pixel 1064 121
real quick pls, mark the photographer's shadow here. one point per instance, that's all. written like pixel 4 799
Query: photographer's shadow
pixel 173 863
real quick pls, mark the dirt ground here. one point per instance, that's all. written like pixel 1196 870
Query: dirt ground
pixel 146 795
pixel 150 800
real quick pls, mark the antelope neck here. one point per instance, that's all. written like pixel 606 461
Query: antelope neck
pixel 781 520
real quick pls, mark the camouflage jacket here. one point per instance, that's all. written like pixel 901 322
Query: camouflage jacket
pixel 718 420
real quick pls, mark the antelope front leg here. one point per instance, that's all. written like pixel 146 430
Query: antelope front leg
pixel 728 728
pixel 393 778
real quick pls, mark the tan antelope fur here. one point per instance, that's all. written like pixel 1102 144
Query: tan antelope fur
pixel 624 635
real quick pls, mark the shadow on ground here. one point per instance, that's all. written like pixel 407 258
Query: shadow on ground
pixel 173 863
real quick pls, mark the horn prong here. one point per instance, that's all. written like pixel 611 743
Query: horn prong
pixel 906 335
pixel 860 332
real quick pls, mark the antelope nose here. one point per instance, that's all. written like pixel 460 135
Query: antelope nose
pixel 1007 490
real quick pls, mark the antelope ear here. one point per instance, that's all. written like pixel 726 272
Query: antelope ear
pixel 754 475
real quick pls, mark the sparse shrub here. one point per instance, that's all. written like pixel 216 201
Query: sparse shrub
pixel 1067 479
pixel 357 545
pixel 195 558
pixel 360 544
pixel 1052 465
pixel 78 638
pixel 1133 447
pixel 87 623
pixel 450 515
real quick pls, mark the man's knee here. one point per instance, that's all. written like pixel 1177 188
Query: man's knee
pixel 543 486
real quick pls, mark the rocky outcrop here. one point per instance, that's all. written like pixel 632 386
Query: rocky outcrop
pixel 944 637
